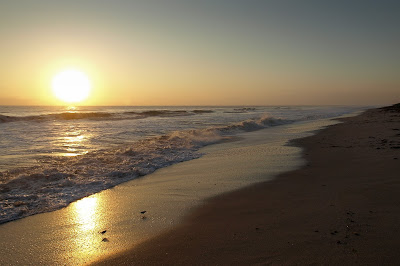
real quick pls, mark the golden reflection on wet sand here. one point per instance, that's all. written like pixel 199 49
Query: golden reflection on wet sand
pixel 86 213
pixel 88 241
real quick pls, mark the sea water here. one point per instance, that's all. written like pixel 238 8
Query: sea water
pixel 52 156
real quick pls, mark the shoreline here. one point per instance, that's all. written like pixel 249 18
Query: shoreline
pixel 49 178
pixel 342 207
pixel 72 235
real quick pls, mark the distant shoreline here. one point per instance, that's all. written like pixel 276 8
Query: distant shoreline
pixel 343 207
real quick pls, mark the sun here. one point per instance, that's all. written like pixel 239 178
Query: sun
pixel 71 86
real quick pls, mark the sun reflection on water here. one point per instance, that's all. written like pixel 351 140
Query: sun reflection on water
pixel 74 142
pixel 71 108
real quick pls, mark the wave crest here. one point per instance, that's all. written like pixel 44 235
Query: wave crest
pixel 57 181
pixel 102 115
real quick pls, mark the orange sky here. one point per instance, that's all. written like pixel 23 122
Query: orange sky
pixel 205 53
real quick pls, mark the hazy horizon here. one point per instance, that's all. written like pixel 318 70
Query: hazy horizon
pixel 238 105
pixel 203 53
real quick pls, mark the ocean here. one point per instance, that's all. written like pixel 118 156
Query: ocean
pixel 52 156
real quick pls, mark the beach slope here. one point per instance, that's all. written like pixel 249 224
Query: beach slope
pixel 342 207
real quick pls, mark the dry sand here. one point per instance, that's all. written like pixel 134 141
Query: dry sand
pixel 343 207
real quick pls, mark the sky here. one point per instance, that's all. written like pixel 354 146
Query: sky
pixel 206 52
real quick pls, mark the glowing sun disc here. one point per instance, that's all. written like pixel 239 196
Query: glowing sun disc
pixel 71 86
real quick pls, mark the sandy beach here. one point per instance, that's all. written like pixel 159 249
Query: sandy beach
pixel 72 235
pixel 342 207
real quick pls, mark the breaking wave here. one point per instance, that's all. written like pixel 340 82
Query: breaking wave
pixel 101 115
pixel 57 181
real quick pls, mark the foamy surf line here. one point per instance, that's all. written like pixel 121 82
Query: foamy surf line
pixel 58 181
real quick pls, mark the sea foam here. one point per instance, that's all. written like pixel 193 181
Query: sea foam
pixel 57 181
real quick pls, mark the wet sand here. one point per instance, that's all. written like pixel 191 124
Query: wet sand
pixel 342 207
pixel 73 235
